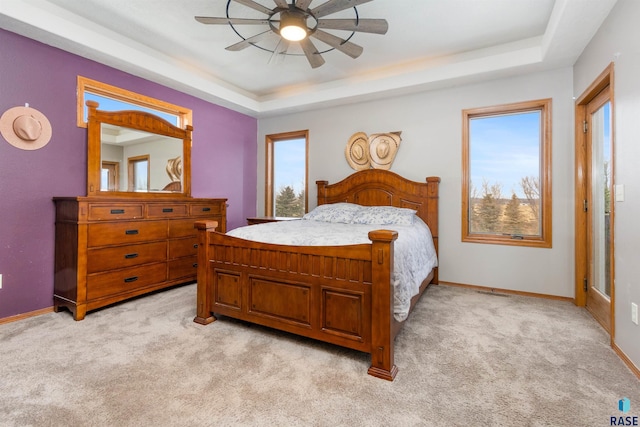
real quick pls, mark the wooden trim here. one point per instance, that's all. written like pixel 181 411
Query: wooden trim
pixel 507 291
pixel 632 367
pixel 612 214
pixel 185 115
pixel 114 167
pixel 268 180
pixel 546 212
pixel 270 140
pixel 603 80
pixel 580 214
pixel 131 162
pixel 28 315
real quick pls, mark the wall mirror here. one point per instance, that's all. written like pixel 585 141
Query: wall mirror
pixel 134 153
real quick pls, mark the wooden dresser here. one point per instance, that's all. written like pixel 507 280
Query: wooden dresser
pixel 111 249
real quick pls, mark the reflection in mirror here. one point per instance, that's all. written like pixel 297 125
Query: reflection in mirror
pixel 138 161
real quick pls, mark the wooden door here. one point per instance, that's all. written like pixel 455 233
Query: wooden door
pixel 594 201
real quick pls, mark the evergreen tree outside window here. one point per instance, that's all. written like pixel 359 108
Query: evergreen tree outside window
pixel 506 188
pixel 286 174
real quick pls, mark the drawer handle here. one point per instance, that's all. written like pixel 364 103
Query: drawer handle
pixel 131 279
pixel 117 211
pixel 129 256
pixel 131 232
pixel 195 246
pixel 167 210
pixel 195 265
pixel 206 209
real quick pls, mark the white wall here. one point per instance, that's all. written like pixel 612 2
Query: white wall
pixel 160 150
pixel 431 125
pixel 620 34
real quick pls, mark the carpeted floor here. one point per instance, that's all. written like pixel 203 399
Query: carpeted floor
pixel 466 358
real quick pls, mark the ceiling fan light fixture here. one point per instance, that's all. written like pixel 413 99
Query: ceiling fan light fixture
pixel 293 21
pixel 292 26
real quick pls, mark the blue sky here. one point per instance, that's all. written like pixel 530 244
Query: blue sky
pixel 108 104
pixel 290 157
pixel 503 149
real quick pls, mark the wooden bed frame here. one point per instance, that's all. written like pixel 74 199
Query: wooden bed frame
pixel 337 294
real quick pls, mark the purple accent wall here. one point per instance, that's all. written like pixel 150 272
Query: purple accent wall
pixel 224 157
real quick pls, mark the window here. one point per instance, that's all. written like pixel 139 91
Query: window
pixel 286 174
pixel 506 174
pixel 138 173
pixel 110 176
pixel 112 98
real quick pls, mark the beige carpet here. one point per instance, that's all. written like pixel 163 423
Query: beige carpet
pixel 466 359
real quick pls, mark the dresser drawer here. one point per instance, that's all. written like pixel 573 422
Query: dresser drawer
pixel 169 210
pixel 98 212
pixel 183 268
pixel 205 209
pixel 112 258
pixel 107 284
pixel 183 247
pixel 182 228
pixel 117 233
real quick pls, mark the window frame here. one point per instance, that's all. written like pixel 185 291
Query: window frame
pixel 84 84
pixel 270 141
pixel 544 240
pixel 131 171
pixel 114 169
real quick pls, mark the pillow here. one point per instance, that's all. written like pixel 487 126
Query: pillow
pixel 334 212
pixel 385 215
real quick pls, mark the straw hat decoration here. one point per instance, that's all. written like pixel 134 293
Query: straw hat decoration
pixel 174 169
pixel 25 128
pixel 376 151
pixel 357 151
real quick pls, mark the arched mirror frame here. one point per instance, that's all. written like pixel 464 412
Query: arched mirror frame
pixel 138 120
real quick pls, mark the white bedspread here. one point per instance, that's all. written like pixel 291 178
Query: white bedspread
pixel 414 252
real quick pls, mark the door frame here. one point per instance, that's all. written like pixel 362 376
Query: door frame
pixel 603 82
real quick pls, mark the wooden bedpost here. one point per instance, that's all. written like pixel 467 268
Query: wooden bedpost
pixel 382 359
pixel 322 192
pixel 433 183
pixel 204 315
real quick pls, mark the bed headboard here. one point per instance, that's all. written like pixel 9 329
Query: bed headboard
pixel 378 187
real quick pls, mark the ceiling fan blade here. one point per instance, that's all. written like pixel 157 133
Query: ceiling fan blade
pixel 234 21
pixel 253 5
pixel 280 51
pixel 247 42
pixel 333 6
pixel 281 3
pixel 283 46
pixel 375 26
pixel 312 54
pixel 303 4
pixel 351 49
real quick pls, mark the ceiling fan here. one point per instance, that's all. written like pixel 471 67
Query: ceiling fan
pixel 295 22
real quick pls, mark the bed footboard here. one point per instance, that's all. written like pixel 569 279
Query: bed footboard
pixel 341 294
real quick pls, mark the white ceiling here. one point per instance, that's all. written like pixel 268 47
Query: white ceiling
pixel 430 44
